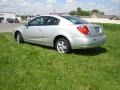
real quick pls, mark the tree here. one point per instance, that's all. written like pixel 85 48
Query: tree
pixel 102 13
pixel 24 17
pixel 85 13
pixel 72 13
pixel 95 11
pixel 78 11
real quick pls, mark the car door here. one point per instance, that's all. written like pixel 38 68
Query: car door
pixel 47 30
pixel 40 30
pixel 33 32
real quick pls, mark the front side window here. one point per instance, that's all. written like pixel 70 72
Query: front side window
pixel 38 21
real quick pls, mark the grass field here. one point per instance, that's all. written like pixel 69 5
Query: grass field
pixel 33 67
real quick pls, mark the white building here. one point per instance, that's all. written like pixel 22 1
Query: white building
pixel 7 15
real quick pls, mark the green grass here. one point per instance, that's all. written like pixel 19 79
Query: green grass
pixel 33 67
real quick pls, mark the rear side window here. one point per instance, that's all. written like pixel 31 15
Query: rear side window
pixel 52 21
pixel 75 20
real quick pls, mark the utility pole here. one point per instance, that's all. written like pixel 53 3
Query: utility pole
pixel 119 10
pixel 54 11
pixel 4 8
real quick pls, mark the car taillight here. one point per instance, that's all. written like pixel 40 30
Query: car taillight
pixel 84 30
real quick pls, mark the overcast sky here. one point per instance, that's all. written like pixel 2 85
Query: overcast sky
pixel 47 6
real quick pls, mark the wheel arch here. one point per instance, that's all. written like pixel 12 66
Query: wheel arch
pixel 16 32
pixel 61 36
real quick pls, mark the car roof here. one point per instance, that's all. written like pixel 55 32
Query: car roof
pixel 57 16
pixel 63 20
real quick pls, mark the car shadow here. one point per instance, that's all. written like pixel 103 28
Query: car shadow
pixel 84 52
pixel 42 46
pixel 90 51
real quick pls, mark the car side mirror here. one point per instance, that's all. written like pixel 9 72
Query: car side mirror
pixel 26 24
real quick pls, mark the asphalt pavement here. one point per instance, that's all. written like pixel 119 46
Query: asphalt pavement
pixel 8 27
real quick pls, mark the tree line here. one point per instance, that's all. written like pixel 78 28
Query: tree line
pixel 80 12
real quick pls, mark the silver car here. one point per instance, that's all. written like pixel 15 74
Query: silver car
pixel 61 32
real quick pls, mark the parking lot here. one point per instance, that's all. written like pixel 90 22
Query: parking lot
pixel 8 27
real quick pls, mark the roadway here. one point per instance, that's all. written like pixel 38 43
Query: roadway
pixel 8 27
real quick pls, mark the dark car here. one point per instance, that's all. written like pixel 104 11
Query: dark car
pixel 16 21
pixel 10 20
pixel 1 20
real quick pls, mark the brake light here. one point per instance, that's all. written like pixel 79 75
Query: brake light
pixel 83 30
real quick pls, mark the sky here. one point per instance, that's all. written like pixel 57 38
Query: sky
pixel 39 7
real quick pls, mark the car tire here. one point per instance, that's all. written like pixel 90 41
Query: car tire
pixel 62 45
pixel 19 38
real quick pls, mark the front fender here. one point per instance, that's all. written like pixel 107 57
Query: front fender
pixel 19 29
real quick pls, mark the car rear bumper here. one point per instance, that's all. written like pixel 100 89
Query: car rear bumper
pixel 91 42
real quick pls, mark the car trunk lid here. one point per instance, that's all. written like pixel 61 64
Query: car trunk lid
pixel 94 30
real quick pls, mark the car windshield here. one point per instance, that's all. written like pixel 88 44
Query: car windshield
pixel 75 20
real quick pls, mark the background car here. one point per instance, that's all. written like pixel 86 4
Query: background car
pixel 10 20
pixel 16 21
pixel 1 20
pixel 61 32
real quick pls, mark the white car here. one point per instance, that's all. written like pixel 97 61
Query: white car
pixel 62 32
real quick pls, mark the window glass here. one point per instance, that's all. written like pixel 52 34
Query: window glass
pixel 75 20
pixel 38 21
pixel 52 21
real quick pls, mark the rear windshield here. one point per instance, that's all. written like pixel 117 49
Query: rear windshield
pixel 75 20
